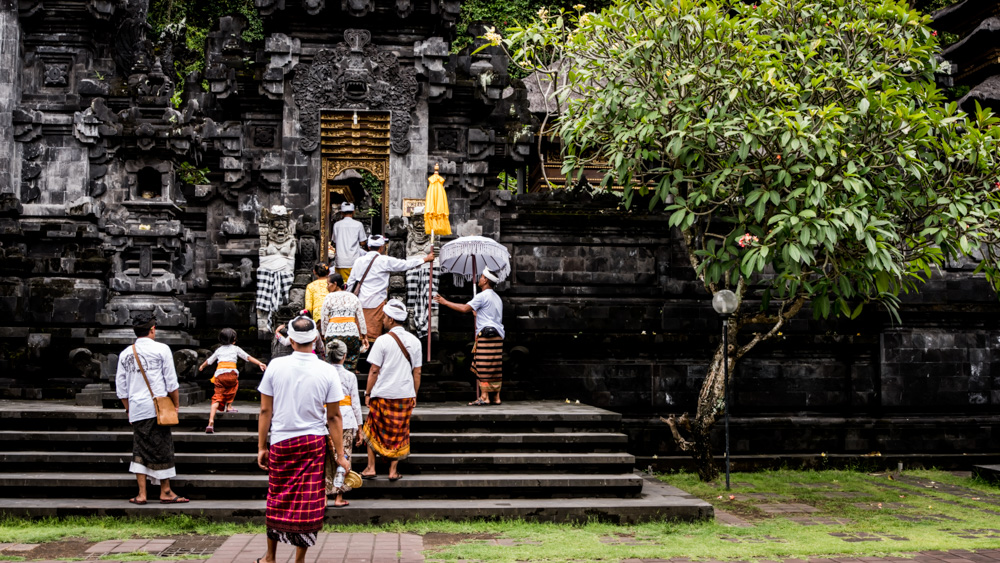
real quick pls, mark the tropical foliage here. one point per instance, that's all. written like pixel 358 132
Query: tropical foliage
pixel 800 148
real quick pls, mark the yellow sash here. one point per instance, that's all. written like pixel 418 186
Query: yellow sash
pixel 337 320
pixel 224 366
pixel 345 402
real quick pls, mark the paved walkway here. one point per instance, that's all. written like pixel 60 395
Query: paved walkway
pixel 384 548
pixel 244 548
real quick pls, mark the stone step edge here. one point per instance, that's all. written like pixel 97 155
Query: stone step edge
pixel 414 459
pixel 658 501
pixel 227 481
pixel 126 436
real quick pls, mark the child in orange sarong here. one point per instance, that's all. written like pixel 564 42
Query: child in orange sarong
pixel 226 378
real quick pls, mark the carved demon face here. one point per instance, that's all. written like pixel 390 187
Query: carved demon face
pixel 280 231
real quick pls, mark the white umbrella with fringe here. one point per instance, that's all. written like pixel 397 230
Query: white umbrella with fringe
pixel 467 257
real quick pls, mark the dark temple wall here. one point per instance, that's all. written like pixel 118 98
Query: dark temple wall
pixel 606 306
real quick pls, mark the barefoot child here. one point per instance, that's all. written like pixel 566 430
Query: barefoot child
pixel 226 377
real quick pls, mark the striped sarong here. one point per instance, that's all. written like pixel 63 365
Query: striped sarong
pixel 487 363
pixel 417 297
pixel 226 385
pixel 387 428
pixel 296 496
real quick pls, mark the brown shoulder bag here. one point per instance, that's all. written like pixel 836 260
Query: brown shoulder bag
pixel 166 411
pixel 356 290
pixel 401 347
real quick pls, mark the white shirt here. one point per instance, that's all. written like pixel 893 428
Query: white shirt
pixel 158 362
pixel 347 234
pixel 395 376
pixel 489 311
pixel 349 385
pixel 301 385
pixel 226 353
pixel 375 289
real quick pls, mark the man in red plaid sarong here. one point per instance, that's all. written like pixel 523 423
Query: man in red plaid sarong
pixel 299 405
pixel 393 382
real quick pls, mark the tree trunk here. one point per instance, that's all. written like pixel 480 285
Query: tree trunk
pixel 711 405
pixel 702 454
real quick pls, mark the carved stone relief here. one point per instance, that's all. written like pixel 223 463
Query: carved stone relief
pixel 355 75
pixel 56 73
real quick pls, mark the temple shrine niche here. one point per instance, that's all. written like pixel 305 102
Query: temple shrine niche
pixel 125 188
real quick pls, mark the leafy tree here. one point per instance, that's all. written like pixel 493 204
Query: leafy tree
pixel 800 147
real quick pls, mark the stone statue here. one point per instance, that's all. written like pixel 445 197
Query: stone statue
pixel 418 243
pixel 277 264
pixel 277 239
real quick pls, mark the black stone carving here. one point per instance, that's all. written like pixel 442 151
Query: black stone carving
pixel 357 8
pixel 447 140
pixel 404 8
pixel 55 74
pixel 313 7
pixel 355 75
pixel 263 137
pixel 130 38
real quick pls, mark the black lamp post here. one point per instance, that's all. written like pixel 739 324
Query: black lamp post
pixel 725 303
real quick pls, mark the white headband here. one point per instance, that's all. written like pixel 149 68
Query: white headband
pixel 346 207
pixel 491 276
pixel 395 310
pixel 303 337
pixel 376 241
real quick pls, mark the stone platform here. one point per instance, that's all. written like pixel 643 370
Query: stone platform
pixel 542 460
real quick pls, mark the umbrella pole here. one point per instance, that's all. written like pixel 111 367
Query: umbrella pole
pixel 475 277
pixel 430 300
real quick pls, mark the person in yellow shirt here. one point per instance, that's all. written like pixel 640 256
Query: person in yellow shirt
pixel 316 291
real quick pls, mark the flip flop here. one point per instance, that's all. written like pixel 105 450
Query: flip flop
pixel 496 403
pixel 396 478
pixel 335 505
pixel 175 500
pixel 368 477
pixel 133 501
pixel 209 430
pixel 478 403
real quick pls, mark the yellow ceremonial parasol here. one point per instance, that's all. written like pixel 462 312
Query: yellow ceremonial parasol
pixel 436 206
pixel 435 223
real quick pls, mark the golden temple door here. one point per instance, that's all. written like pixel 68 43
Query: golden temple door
pixel 353 140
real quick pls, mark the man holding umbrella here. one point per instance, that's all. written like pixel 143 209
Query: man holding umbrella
pixel 487 354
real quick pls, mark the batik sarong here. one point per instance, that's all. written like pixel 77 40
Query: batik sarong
pixel 152 450
pixel 417 296
pixel 296 498
pixel 487 363
pixel 272 288
pixel 387 428
pixel 226 385
pixel 353 344
pixel 331 464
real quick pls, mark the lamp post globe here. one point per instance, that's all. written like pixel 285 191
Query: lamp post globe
pixel 725 302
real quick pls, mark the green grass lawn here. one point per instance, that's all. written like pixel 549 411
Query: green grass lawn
pixel 859 505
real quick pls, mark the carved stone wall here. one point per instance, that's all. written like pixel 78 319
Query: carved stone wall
pixel 116 196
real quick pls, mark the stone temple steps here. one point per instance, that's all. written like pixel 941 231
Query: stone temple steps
pixel 542 460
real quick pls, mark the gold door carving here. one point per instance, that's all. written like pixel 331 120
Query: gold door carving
pixel 353 140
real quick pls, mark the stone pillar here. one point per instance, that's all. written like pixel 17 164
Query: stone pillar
pixel 10 93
